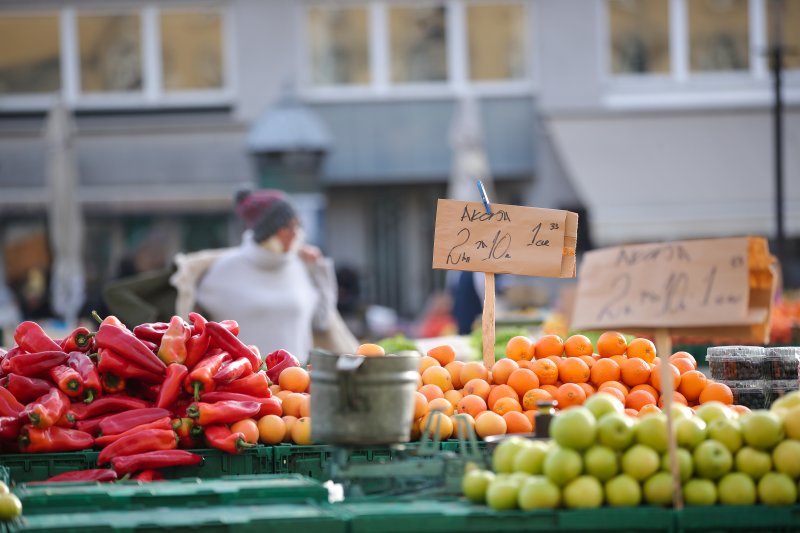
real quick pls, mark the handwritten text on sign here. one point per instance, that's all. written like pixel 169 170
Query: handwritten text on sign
pixel 512 240
pixel 673 284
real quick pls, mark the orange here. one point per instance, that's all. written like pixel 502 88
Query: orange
pixel 524 363
pixel 546 370
pixel 444 354
pixel 604 370
pixel 619 359
pixel 655 377
pixel 441 404
pixel 289 422
pixel 517 423
pixel 248 428
pixel 439 376
pixel 548 345
pixel 453 396
pixel 531 416
pixel 472 405
pixel 740 409
pixel 462 416
pixel 649 409
pixel 588 359
pixel 611 343
pixel 455 373
pixel 431 392
pixel 533 396
pixel 274 389
pixel 305 406
pixel 502 369
pixel 552 389
pixel 477 387
pixel 504 405
pixel 301 431
pixel 649 388
pixel 615 392
pixel 420 405
pixel 439 421
pixel 638 399
pixel 717 392
pixel 557 359
pixel 574 370
pixel 490 423
pixel 292 403
pixel 682 364
pixel 578 345
pixel 615 385
pixel 474 370
pixel 501 391
pixel 281 395
pixel 632 412
pixel 635 371
pixel 683 355
pixel 588 389
pixel 570 394
pixel 677 397
pixel 271 429
pixel 370 350
pixel 522 381
pixel 642 348
pixel 426 362
pixel 692 384
pixel 519 347
pixel 295 379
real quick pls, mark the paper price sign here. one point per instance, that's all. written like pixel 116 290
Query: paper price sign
pixel 511 240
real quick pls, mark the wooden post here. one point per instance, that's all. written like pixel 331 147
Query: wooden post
pixel 488 321
pixel 664 351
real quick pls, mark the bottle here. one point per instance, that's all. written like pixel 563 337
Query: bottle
pixel 545 410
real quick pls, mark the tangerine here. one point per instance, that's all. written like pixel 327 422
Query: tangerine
pixel 548 345
pixel 431 392
pixel 455 373
pixel 655 377
pixel 611 343
pixel 477 387
pixel 444 354
pixel 420 405
pixel 718 392
pixel 271 429
pixel 635 371
pixel 506 404
pixel 523 380
pixel 474 370
pixel 533 396
pixel 638 399
pixel 453 396
pixel 692 384
pixel 574 370
pixel 501 391
pixel 301 431
pixel 295 379
pixel 517 422
pixel 502 369
pixel 441 404
pixel 426 362
pixel 683 355
pixel 546 370
pixel 490 423
pixel 569 395
pixel 370 350
pixel 439 376
pixel 578 345
pixel 519 348
pixel 642 348
pixel 472 405
pixel 604 370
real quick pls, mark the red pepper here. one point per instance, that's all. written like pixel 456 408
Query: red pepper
pixel 227 341
pixel 112 383
pixel 277 361
pixel 111 361
pixel 109 320
pixel 121 422
pixel 67 420
pixel 197 346
pixel 106 405
pixel 67 380
pixel 161 423
pixel 146 391
pixel 220 437
pixel 9 405
pixel 141 441
pixel 148 476
pixel 96 474
pixel 88 373
pixel 91 426
pixel 230 325
pixel 183 428
pixel 48 409
pixel 269 406
pixel 255 350
pixel 226 412
pixel 179 407
pixel 171 388
pixel 9 427
pixel 31 337
pixel 53 439
pixel 252 385
pixel 80 340
pixel 34 364
pixel 201 379
pixel 173 345
pixel 25 389
pixel 232 371
pixel 154 460
pixel 152 332
pixel 129 347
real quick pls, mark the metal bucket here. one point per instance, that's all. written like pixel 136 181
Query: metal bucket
pixel 362 401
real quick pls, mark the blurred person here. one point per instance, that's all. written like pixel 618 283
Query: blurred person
pixel 437 318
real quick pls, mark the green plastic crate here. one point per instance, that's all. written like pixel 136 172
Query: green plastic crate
pixel 40 466
pixel 731 518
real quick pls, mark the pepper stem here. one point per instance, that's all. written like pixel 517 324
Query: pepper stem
pixel 197 386
pixel 97 317
pixel 89 396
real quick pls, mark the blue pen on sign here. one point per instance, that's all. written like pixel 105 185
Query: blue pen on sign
pixel 485 198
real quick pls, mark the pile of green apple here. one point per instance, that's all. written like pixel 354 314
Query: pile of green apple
pixel 598 455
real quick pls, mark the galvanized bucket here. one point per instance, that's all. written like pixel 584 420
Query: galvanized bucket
pixel 362 401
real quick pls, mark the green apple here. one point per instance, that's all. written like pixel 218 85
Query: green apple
pixel 538 493
pixel 728 431
pixel 623 491
pixel 737 488
pixel 601 404
pixel 786 402
pixel 786 458
pixel 690 432
pixel 531 458
pixel 652 432
pixel 791 421
pixel 575 428
pixel 584 492
pixel 777 489
pixel 519 478
pixel 681 411
pixel 685 464
pixel 754 463
pixel 601 462
pixel 712 460
pixel 658 489
pixel 505 453
pixel 616 430
pixel 714 410
pixel 640 462
pixel 502 495
pixel 762 429
pixel 562 465
pixel 700 492
pixel 475 484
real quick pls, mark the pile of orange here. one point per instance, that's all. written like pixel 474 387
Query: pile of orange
pixel 504 399
pixel 294 426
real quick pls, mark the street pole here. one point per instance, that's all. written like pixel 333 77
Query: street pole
pixel 776 56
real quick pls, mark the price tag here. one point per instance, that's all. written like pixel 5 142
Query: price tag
pixel 511 240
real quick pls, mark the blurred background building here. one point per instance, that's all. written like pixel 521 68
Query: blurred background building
pixel 651 117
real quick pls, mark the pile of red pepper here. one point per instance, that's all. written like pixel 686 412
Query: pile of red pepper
pixel 138 395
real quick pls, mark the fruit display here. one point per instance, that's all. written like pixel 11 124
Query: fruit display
pixel 607 457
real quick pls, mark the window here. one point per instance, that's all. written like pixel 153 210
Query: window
pixel 639 36
pixel 110 53
pixel 418 44
pixel 338 42
pixel 191 50
pixel 29 54
pixel 790 22
pixel 718 35
pixel 496 37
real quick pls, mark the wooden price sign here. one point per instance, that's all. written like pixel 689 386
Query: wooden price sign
pixel 510 239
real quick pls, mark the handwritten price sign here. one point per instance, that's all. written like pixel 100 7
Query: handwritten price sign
pixel 665 285
pixel 512 240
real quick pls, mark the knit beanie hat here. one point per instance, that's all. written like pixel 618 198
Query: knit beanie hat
pixel 264 211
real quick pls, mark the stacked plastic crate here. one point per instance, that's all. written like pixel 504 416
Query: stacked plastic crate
pixel 780 371
pixel 755 375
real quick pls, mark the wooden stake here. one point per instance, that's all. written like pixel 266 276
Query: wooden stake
pixel 664 350
pixel 488 321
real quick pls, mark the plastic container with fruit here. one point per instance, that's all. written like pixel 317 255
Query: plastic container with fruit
pixel 741 363
pixel 750 393
pixel 781 363
pixel 777 388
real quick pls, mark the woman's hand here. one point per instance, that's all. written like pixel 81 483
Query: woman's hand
pixel 309 253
